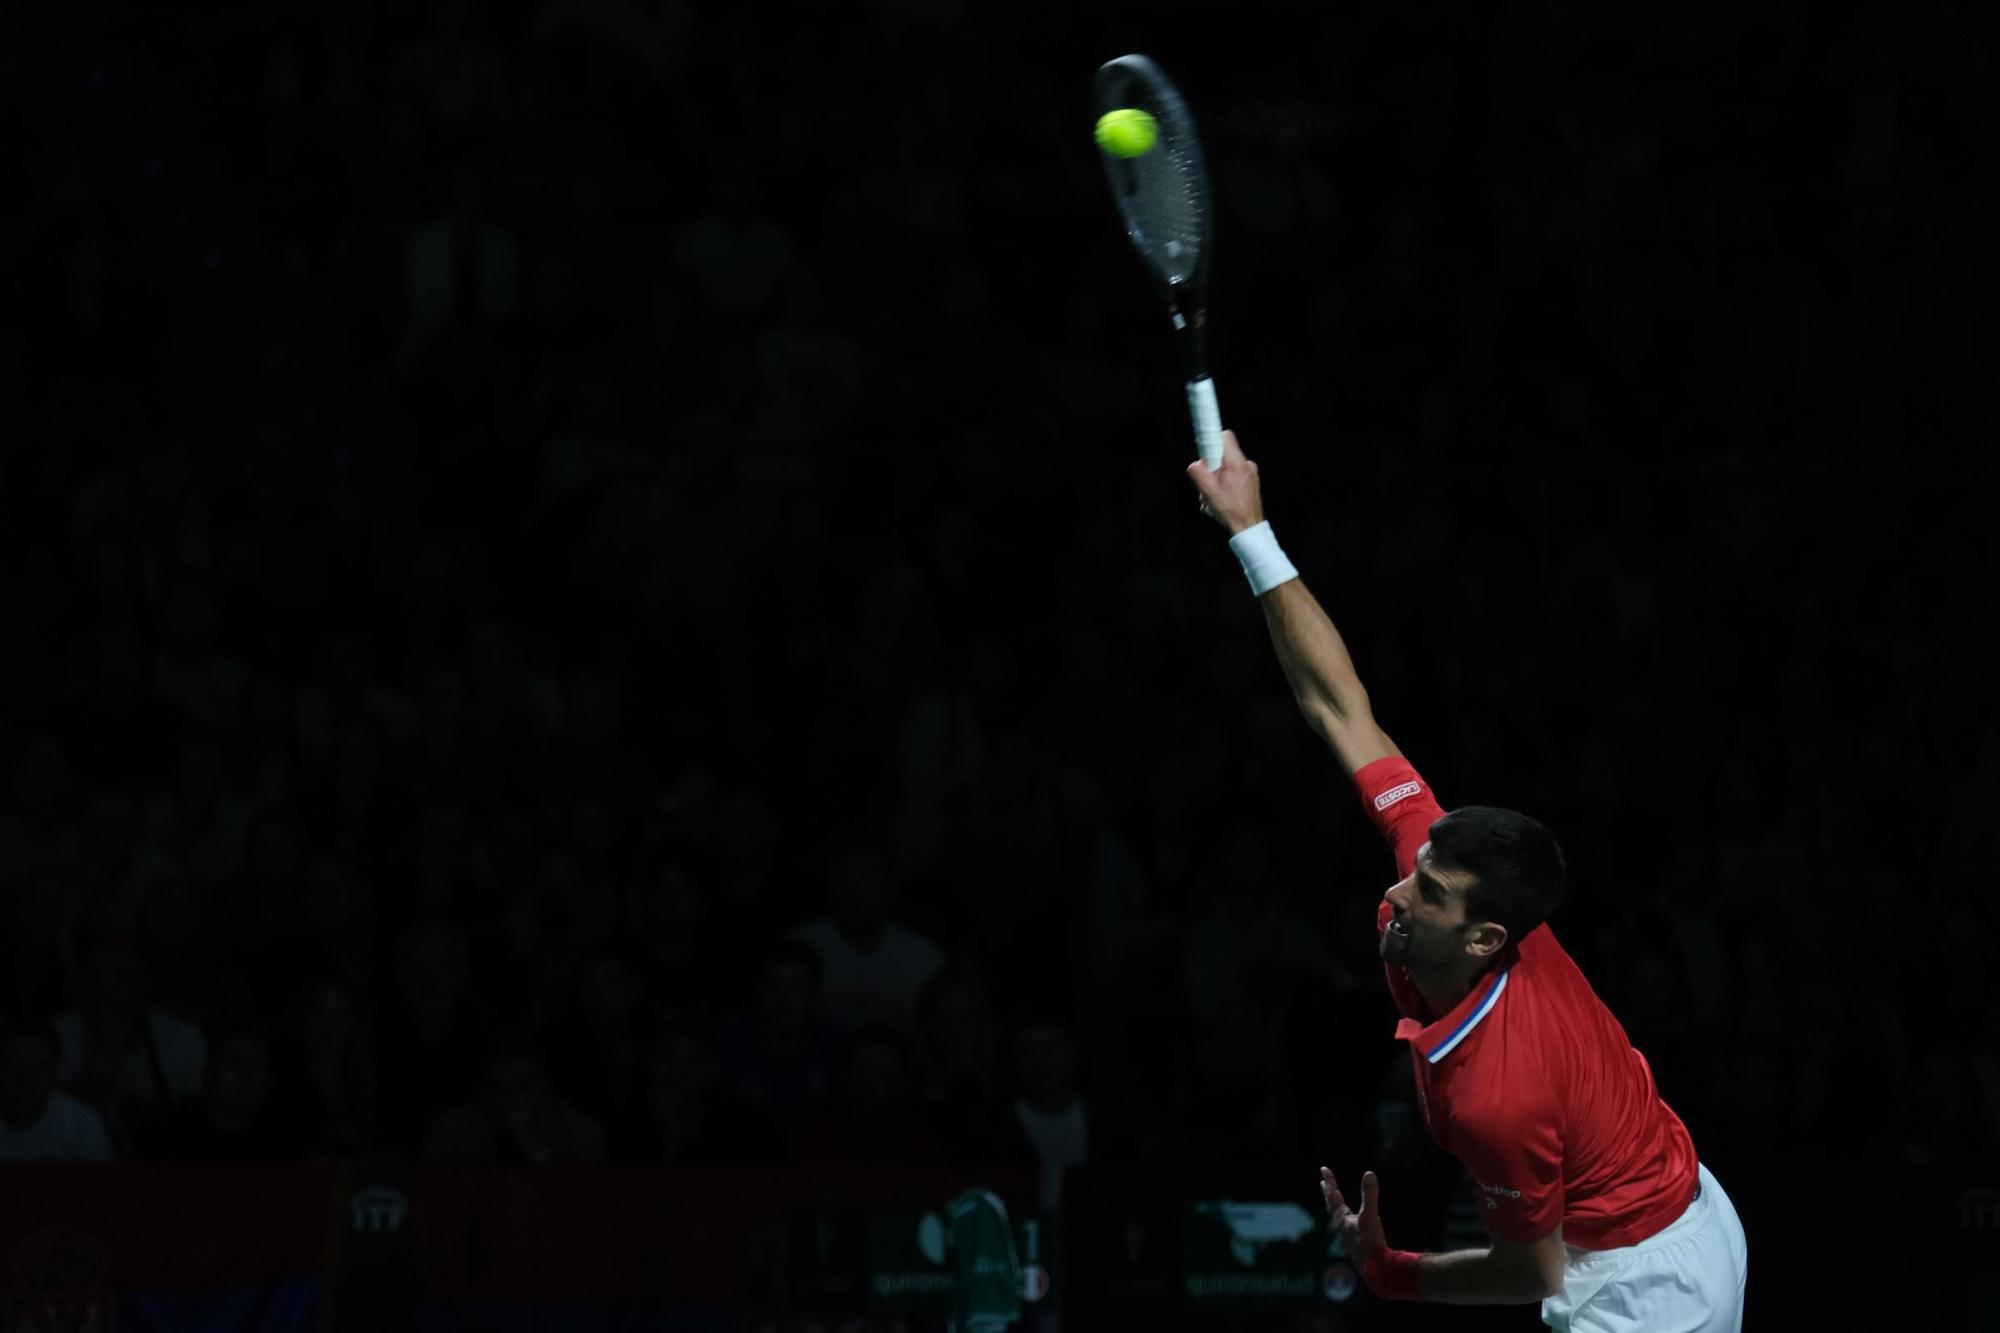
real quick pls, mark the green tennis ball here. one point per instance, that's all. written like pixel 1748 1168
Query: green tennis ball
pixel 1127 132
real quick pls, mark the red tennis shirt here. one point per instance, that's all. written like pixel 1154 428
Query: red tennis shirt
pixel 1530 1081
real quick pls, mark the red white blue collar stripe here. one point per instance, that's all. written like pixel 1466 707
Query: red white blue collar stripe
pixel 1459 1033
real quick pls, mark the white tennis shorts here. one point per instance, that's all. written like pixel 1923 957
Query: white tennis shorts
pixel 1687 1279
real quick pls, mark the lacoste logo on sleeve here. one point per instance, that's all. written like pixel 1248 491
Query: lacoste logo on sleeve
pixel 1395 794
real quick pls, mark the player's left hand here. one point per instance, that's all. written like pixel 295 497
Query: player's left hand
pixel 1360 1232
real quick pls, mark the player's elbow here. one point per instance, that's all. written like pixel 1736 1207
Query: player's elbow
pixel 1534 1284
pixel 1537 1267
pixel 1545 1278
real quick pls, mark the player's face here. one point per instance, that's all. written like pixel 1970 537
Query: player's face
pixel 1429 925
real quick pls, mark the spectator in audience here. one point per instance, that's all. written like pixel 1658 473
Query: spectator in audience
pixel 809 368
pixel 38 1123
pixel 196 822
pixel 876 1117
pixel 344 684
pixel 1952 1125
pixel 263 762
pixel 113 714
pixel 37 918
pixel 1048 1106
pixel 739 885
pixel 516 1117
pixel 178 936
pixel 119 1053
pixel 781 1058
pixel 668 928
pixel 349 805
pixel 461 266
pixel 733 254
pixel 599 1054
pixel 335 930
pixel 452 63
pixel 428 1059
pixel 276 852
pixel 233 1120
pixel 190 673
pixel 438 864
pixel 689 1116
pixel 326 1075
pixel 600 753
pixel 114 868
pixel 873 967
pixel 958 1072
pixel 38 824
pixel 1243 962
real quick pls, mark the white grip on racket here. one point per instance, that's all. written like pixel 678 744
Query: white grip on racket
pixel 1207 421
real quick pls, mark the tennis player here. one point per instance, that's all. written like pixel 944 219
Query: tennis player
pixel 1588 1183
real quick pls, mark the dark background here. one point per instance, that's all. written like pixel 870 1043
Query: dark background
pixel 508 506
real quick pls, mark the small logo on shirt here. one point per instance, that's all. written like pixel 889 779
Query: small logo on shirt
pixel 1395 794
pixel 1498 1189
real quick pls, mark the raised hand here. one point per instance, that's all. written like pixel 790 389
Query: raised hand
pixel 1360 1232
pixel 1231 495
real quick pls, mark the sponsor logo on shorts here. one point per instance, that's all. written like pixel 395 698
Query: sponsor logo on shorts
pixel 1499 1189
pixel 1395 794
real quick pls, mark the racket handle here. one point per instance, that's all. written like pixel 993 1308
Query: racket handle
pixel 1207 421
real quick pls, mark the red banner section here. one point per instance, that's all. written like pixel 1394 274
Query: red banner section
pixel 78 1241
pixel 636 1238
pixel 168 1228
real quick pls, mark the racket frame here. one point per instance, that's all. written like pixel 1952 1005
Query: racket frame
pixel 1186 298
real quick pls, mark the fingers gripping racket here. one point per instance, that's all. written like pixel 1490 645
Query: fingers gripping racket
pixel 1161 190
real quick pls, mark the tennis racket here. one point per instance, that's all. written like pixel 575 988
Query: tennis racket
pixel 1163 196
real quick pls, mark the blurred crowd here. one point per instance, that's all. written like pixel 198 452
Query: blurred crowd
pixel 608 579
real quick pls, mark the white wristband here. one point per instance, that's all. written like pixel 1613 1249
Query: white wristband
pixel 1264 561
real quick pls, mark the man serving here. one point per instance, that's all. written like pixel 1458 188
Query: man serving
pixel 1587 1181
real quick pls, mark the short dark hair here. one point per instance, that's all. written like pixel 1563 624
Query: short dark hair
pixel 1519 878
pixel 31 1027
pixel 788 952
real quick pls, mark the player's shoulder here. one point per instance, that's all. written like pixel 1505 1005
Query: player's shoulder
pixel 1547 967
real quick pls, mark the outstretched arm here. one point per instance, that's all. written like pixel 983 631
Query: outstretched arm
pixel 1309 648
pixel 1497 1275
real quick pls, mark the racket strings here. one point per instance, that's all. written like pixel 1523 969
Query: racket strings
pixel 1163 194
pixel 1166 208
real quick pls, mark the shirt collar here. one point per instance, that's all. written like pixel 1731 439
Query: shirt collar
pixel 1439 1039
